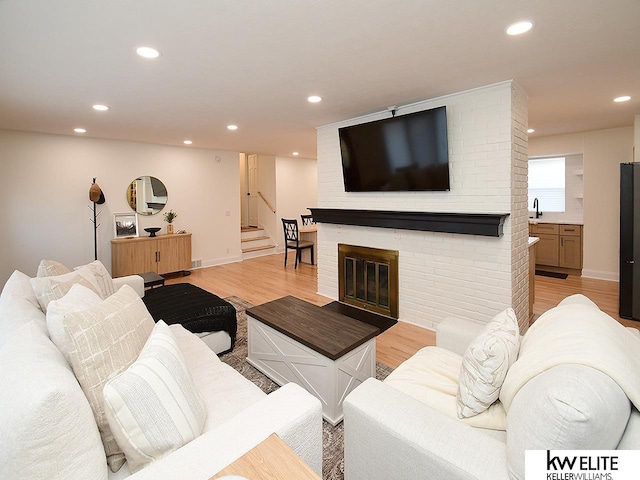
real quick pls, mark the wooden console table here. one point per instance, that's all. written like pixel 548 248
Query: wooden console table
pixel 270 460
pixel 160 254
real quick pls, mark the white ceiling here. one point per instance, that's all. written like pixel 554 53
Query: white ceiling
pixel 254 62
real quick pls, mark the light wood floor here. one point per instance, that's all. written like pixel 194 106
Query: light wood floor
pixel 263 279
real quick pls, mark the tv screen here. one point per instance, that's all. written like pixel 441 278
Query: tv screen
pixel 403 153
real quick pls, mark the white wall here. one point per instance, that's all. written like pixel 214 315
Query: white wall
pixel 44 185
pixel 267 186
pixel 297 189
pixel 244 200
pixel 603 151
pixel 636 138
pixel 444 275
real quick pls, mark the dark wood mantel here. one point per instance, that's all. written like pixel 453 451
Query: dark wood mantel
pixel 486 224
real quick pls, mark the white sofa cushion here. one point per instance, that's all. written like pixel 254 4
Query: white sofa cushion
pixel 78 298
pixel 18 306
pixel 432 375
pixel 48 430
pixel 51 268
pixel 568 407
pixel 19 285
pixel 225 391
pixel 47 289
pixel 485 364
pixel 105 341
pixel 102 276
pixel 153 407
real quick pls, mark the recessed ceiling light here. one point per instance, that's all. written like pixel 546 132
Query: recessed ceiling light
pixel 80 130
pixel 296 154
pixel 624 98
pixel 314 99
pixel 187 142
pixel 519 28
pixel 232 127
pixel 147 52
pixel 101 108
pixel 531 130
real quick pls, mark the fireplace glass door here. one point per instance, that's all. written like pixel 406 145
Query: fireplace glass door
pixel 369 278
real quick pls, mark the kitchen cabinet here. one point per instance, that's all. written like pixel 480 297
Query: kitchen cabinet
pixel 160 254
pixel 560 245
pixel 547 249
pixel 570 247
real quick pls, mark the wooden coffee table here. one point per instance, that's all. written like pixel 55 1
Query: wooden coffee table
pixel 270 460
pixel 327 353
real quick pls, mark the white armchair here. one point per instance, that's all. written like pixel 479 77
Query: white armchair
pixel 392 434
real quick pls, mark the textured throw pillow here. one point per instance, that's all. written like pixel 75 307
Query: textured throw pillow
pixel 105 341
pixel 77 299
pixel 51 268
pixel 568 407
pixel 485 364
pixel 102 276
pixel 53 288
pixel 153 407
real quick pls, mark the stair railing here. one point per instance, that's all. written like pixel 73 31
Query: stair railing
pixel 266 202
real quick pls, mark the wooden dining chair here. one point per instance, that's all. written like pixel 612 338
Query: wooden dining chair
pixel 292 241
pixel 307 219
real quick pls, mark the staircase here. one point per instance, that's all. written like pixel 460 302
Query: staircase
pixel 255 243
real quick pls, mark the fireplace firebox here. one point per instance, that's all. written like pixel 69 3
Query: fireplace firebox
pixel 368 278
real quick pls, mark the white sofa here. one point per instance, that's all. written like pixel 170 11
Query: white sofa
pixel 47 428
pixel 551 399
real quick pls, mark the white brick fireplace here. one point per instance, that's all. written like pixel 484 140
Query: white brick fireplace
pixel 444 274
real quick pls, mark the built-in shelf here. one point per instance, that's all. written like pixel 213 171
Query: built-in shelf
pixel 486 224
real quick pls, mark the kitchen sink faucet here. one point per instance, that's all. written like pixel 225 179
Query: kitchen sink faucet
pixel 535 205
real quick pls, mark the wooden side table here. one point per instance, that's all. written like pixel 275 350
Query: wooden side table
pixel 270 460
pixel 152 279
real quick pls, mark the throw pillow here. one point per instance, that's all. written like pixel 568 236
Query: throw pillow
pixel 485 364
pixel 53 288
pixel 568 407
pixel 102 276
pixel 77 299
pixel 105 341
pixel 153 408
pixel 51 268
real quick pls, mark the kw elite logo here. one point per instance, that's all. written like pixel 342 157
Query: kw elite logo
pixel 587 467
pixel 582 464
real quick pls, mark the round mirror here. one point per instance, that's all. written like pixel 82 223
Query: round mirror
pixel 147 195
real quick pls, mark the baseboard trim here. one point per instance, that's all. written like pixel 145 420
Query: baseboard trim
pixel 601 275
pixel 220 261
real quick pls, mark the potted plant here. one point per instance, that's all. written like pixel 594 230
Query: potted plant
pixel 169 217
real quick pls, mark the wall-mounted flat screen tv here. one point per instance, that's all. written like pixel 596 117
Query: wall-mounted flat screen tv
pixel 402 153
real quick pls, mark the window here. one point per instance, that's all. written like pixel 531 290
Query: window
pixel 547 184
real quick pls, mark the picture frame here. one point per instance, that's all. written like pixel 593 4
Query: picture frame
pixel 125 225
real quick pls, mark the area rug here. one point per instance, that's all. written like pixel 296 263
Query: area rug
pixel 544 273
pixel 332 437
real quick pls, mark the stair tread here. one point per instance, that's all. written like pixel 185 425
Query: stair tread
pixel 264 237
pixel 255 249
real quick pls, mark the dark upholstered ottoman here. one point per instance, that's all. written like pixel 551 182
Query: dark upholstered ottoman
pixel 195 309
